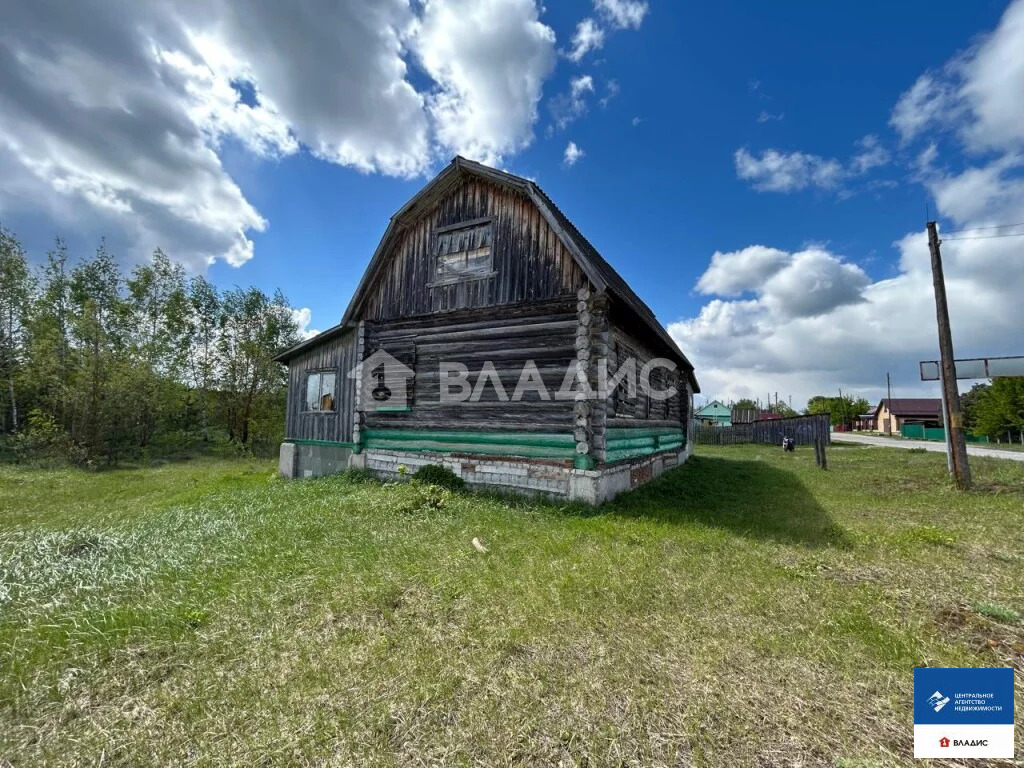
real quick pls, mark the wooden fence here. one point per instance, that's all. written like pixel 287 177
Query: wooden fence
pixel 805 430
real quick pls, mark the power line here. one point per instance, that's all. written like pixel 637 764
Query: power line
pixel 984 237
pixel 973 229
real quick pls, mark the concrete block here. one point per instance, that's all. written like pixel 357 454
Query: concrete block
pixel 357 461
pixel 286 462
pixel 583 487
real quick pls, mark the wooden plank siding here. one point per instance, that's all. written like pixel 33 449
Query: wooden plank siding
pixel 338 355
pixel 530 262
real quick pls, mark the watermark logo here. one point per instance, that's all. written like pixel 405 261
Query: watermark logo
pixel 963 712
pixel 937 701
pixel 383 382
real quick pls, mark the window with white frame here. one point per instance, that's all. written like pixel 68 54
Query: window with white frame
pixel 320 391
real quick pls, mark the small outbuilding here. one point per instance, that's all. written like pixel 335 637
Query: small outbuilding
pixel 489 336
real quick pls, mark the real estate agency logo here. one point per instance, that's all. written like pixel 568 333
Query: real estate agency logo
pixel 945 742
pixel 938 701
pixel 964 712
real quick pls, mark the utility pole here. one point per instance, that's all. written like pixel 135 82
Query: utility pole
pixel 954 418
pixel 888 405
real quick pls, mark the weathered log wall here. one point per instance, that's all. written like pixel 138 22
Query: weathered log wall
pixel 626 342
pixel 543 331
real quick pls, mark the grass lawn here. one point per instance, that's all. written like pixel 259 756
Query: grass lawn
pixel 745 609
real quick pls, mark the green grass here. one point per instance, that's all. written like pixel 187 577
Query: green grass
pixel 745 609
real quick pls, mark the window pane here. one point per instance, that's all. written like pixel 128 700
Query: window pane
pixel 313 392
pixel 327 392
pixel 463 253
pixel 451 264
pixel 479 260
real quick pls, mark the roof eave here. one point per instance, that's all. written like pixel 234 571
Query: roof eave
pixel 297 349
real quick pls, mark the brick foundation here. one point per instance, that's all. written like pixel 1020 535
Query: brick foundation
pixel 554 479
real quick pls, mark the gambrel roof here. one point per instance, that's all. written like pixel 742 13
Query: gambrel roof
pixel 598 271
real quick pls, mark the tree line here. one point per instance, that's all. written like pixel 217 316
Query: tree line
pixel 779 408
pixel 996 409
pixel 844 410
pixel 100 364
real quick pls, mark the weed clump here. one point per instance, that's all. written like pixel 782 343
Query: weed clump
pixel 997 612
pixel 434 474
pixel 423 497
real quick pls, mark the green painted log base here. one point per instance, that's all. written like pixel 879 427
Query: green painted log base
pixel 354 446
pixel 625 443
pixel 537 446
pixel 479 449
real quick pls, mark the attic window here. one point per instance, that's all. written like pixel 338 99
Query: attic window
pixel 463 252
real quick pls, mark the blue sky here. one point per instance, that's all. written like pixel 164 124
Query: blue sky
pixel 759 174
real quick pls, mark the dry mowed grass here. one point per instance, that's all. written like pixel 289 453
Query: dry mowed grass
pixel 745 609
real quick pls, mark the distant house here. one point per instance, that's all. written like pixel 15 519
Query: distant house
pixel 890 415
pixel 864 423
pixel 768 416
pixel 715 414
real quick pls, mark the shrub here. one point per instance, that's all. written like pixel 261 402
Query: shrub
pixel 434 474
pixel 45 443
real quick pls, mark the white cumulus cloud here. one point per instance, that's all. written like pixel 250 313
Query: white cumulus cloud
pixel 490 60
pixel 587 37
pixel 572 154
pixel 812 322
pixel 303 317
pixel 622 14
pixel 776 171
pixel 113 117
pixel 569 106
pixel 611 15
pixel 976 94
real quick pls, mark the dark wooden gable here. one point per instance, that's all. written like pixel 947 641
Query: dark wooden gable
pixel 515 256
